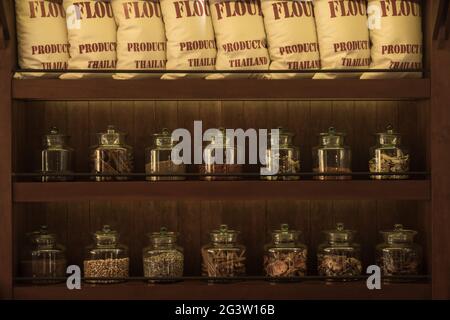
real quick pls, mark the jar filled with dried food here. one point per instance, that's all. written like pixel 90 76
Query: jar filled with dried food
pixel 332 156
pixel 111 156
pixel 282 156
pixel 285 257
pixel 223 257
pixel 106 258
pixel 163 258
pixel 399 255
pixel 158 159
pixel 220 157
pixel 56 157
pixel 44 258
pixel 339 256
pixel 389 156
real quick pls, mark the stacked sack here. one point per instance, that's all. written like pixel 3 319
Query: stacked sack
pixel 208 35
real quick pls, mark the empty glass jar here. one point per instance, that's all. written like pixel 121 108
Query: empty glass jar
pixel 45 258
pixel 158 159
pixel 220 157
pixel 285 257
pixel 389 156
pixel 339 256
pixel 56 157
pixel 399 255
pixel 332 156
pixel 282 157
pixel 106 258
pixel 163 258
pixel 111 156
pixel 223 257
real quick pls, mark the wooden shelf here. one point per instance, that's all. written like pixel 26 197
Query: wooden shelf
pixel 251 290
pixel 222 190
pixel 237 89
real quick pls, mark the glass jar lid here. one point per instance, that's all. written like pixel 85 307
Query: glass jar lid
pixel 43 238
pixel 163 138
pixel 332 137
pixel 284 137
pixel 106 236
pixel 224 235
pixel 389 137
pixel 284 234
pixel 398 234
pixel 54 138
pixel 111 137
pixel 340 234
pixel 163 237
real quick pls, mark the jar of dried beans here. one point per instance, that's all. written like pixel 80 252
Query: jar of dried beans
pixel 285 257
pixel 223 257
pixel 158 159
pixel 163 258
pixel 56 157
pixel 111 156
pixel 106 258
pixel 339 256
pixel 389 156
pixel 282 157
pixel 399 255
pixel 220 158
pixel 332 156
pixel 44 258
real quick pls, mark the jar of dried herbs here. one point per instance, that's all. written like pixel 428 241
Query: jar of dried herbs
pixel 339 256
pixel 332 156
pixel 107 260
pixel 163 258
pixel 398 255
pixel 158 159
pixel 56 157
pixel 111 156
pixel 220 158
pixel 282 156
pixel 44 258
pixel 224 257
pixel 285 257
pixel 389 156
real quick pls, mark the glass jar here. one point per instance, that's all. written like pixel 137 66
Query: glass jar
pixel 111 155
pixel 389 156
pixel 106 258
pixel 332 156
pixel 399 255
pixel 163 258
pixel 56 157
pixel 45 258
pixel 223 257
pixel 286 158
pixel 220 157
pixel 285 257
pixel 158 159
pixel 339 256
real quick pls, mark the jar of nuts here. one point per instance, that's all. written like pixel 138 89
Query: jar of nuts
pixel 163 258
pixel 223 257
pixel 339 257
pixel 106 258
pixel 285 257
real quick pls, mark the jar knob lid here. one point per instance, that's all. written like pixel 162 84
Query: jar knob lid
pixel 43 229
pixel 111 129
pixel 163 231
pixel 340 226
pixel 390 129
pixel 165 131
pixel 106 228
pixel 223 228
pixel 54 130
pixel 398 227
pixel 284 227
pixel 331 130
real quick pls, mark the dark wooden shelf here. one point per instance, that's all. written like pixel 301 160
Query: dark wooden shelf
pixel 236 89
pixel 250 290
pixel 222 190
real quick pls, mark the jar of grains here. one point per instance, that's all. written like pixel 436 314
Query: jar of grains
pixel 285 257
pixel 163 258
pixel 106 258
pixel 223 257
pixel 339 256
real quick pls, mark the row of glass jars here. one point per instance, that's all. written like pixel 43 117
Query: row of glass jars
pixel 113 156
pixel 285 257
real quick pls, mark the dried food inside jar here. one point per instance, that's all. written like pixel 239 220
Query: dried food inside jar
pixel 106 268
pixel 112 161
pixel 339 264
pixel 285 263
pixel 167 167
pixel 223 263
pixel 167 264
pixel 399 262
pixel 389 164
